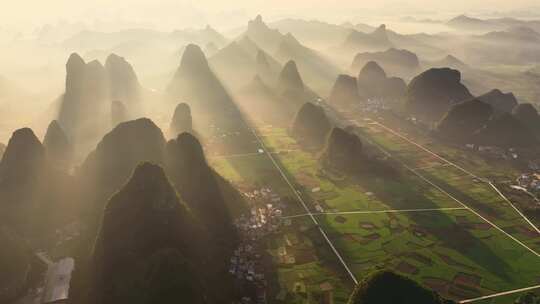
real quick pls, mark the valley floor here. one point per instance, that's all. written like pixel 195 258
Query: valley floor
pixel 440 224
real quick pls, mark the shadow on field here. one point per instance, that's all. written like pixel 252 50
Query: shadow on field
pixel 444 228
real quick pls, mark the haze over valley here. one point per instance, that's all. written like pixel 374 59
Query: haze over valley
pixel 247 152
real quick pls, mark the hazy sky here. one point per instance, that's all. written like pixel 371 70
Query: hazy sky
pixel 181 13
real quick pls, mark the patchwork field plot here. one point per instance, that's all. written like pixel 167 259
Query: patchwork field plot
pixel 485 200
pixel 472 191
pixel 307 271
pixel 341 193
pixel 454 253
pixel 419 224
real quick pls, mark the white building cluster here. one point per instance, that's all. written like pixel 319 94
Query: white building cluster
pixel 264 218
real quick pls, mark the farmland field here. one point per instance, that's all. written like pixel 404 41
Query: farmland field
pixel 454 253
pixel 445 247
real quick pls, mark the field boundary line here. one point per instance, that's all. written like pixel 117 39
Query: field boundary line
pixel 504 293
pixel 432 166
pixel 247 154
pixel 377 211
pixel 314 220
pixel 456 200
pixel 515 208
pixel 462 169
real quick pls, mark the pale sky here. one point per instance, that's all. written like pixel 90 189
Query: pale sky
pixel 182 13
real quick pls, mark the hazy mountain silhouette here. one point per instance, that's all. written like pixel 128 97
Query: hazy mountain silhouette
pixel 289 78
pixel 202 36
pixel 345 92
pixel 90 87
pixel 314 33
pixel 22 162
pixel 234 64
pixel 147 238
pixel 402 63
pixel 267 67
pixel 371 80
pixel 318 71
pixel 311 126
pixel 505 131
pixel 527 114
pixel 123 82
pixel 501 102
pixel 111 163
pixel 433 92
pixel 195 180
pixel 343 151
pixel 463 119
pixel 375 41
pixel 57 145
pixel 373 83
pixel 467 23
pixel 449 61
pixel 210 49
pixel 291 87
pixel 36 198
pixel 74 104
pixel 238 62
pixel 195 83
pixel 181 121
pixel 119 113
pixel 263 102
pixel 269 39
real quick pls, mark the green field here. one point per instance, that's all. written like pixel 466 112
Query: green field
pixel 476 194
pixel 454 252
pixel 306 268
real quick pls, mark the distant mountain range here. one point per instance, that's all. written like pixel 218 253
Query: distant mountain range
pixel 467 23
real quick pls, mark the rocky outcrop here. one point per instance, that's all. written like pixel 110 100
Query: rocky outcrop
pixel 110 165
pixel 36 198
pixel 345 92
pixel 311 126
pixel 195 83
pixel 373 83
pixel 90 88
pixel 505 131
pixel 23 160
pixel 147 243
pixel 123 81
pixel 290 79
pixel 463 119
pixel 181 121
pixel 57 144
pixel 196 182
pixel 527 114
pixel 433 92
pixel 402 63
pixel 292 89
pixel 344 151
pixel 371 80
pixel 501 102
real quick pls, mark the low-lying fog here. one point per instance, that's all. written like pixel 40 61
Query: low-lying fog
pixel 37 37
